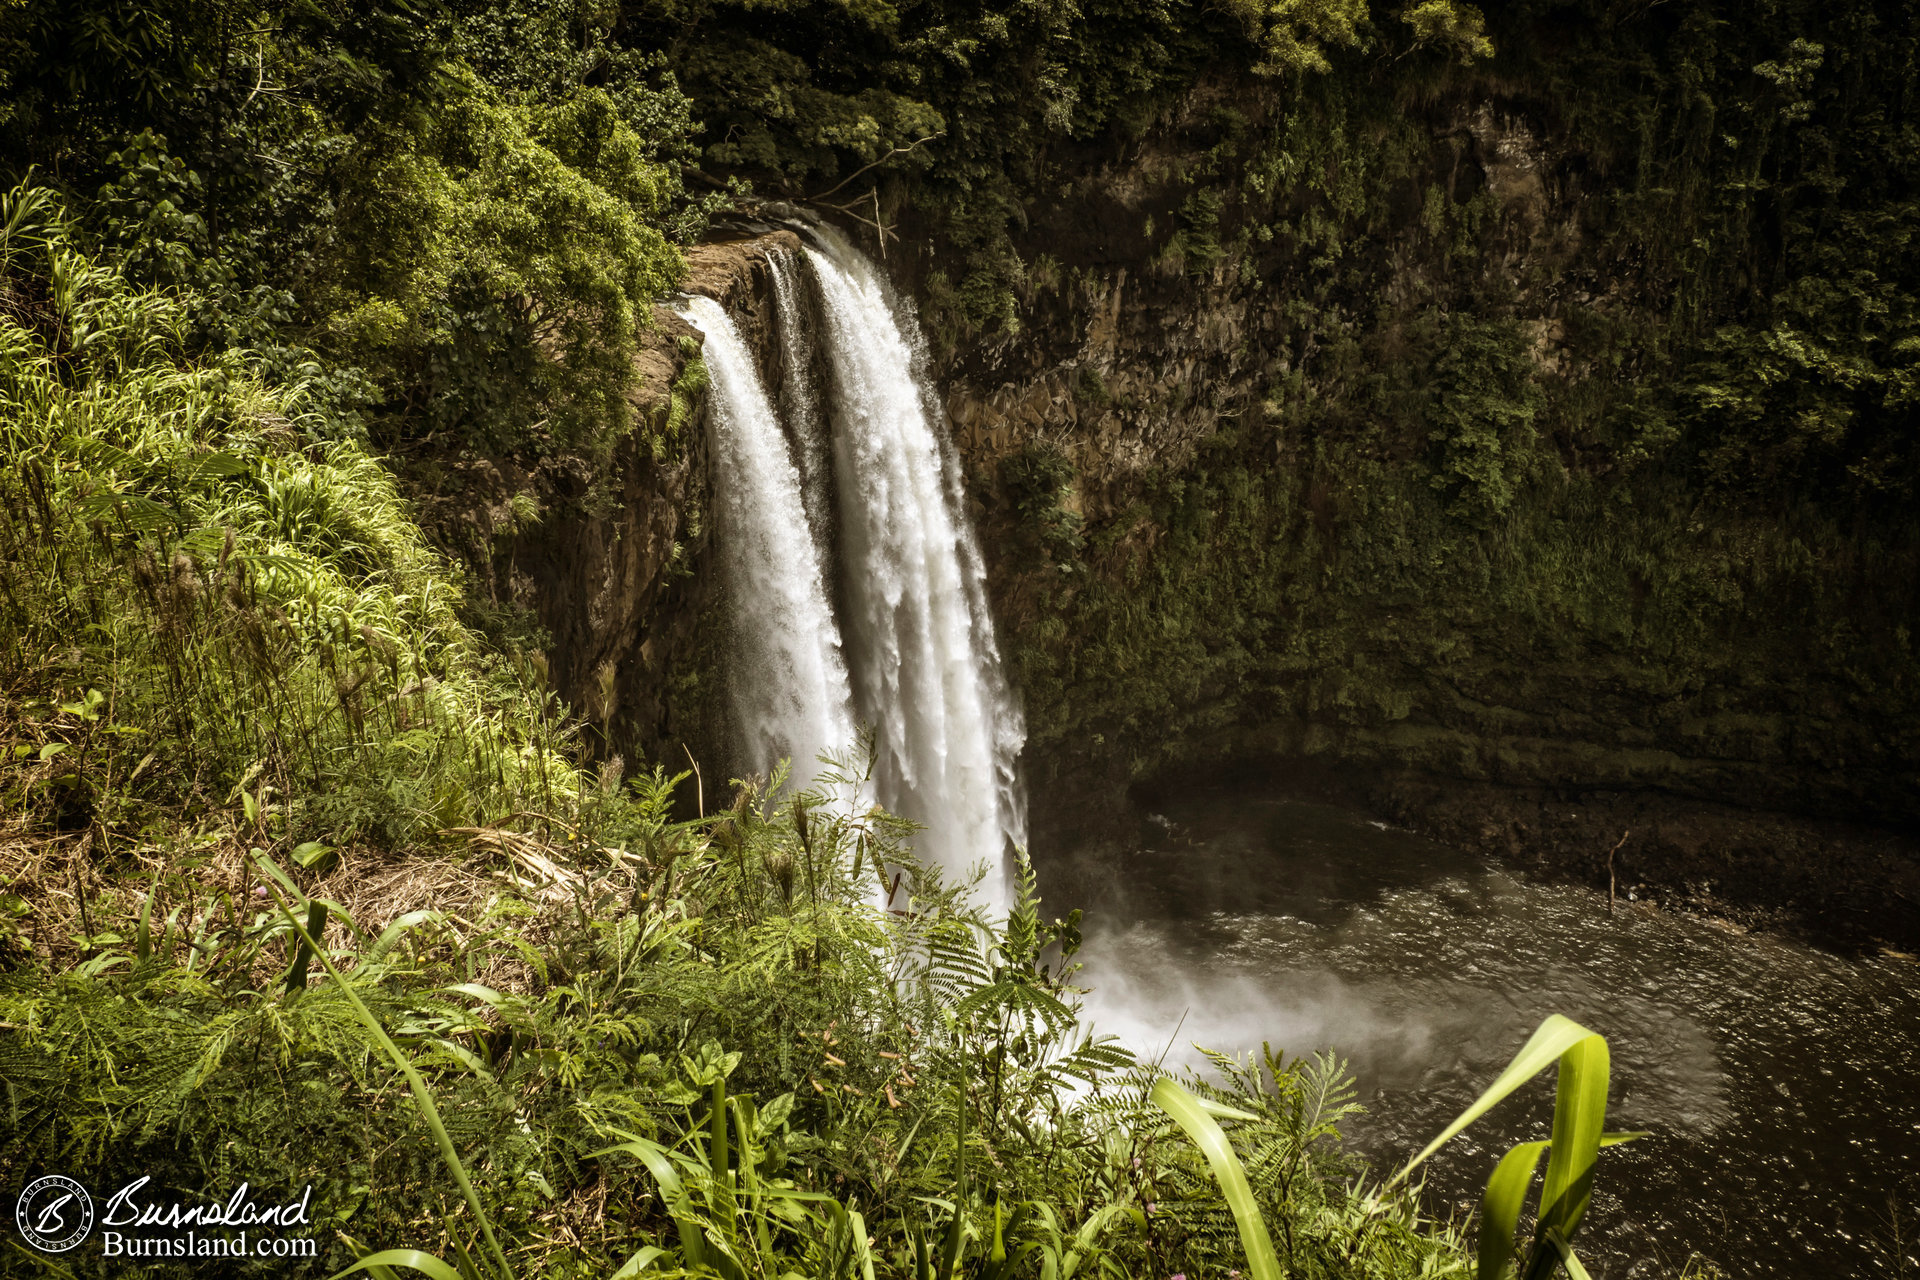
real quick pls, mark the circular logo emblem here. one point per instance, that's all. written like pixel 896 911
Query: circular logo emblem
pixel 54 1213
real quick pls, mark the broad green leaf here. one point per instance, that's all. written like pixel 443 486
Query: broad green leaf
pixel 655 1157
pixel 1555 1036
pixel 1579 1118
pixel 1500 1208
pixel 774 1113
pixel 391 935
pixel 1506 1197
pixel 638 1262
pixel 1262 1262
pixel 311 853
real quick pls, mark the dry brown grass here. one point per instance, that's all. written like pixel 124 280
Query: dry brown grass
pixel 93 883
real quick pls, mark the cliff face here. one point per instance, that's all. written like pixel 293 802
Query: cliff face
pixel 1377 478
pixel 602 564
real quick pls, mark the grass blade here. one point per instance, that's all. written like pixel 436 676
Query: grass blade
pixel 1262 1262
pixel 1564 1253
pixel 1555 1036
pixel 719 1157
pixel 693 1244
pixel 316 925
pixel 421 1094
pixel 1579 1118
pixel 1500 1208
pixel 857 1232
pixel 425 1263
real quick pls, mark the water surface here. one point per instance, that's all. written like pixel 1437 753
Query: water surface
pixel 1781 1082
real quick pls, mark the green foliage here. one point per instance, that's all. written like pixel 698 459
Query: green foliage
pixel 708 1018
pixel 1039 483
pixel 310 945
pixel 223 631
pixel 473 252
pixel 501 263
pixel 1484 404
pixel 683 396
pixel 1771 191
pixel 1580 1106
pixel 1292 1204
pixel 1294 35
pixel 1514 481
pixel 967 112
pixel 267 630
pixel 1579 1121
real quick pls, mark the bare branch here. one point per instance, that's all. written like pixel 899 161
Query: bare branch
pixel 897 151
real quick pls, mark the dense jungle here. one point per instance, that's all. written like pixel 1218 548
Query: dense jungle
pixel 1496 422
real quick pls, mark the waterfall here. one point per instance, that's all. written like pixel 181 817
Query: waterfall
pixel 788 679
pixel 798 404
pixel 926 671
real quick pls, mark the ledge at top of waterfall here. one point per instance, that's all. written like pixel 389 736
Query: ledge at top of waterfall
pixel 787 677
pixel 921 653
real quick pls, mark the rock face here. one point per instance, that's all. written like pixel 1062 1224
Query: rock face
pixel 1345 476
pixel 602 564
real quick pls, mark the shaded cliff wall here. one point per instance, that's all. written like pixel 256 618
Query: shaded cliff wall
pixel 1375 424
pixel 598 565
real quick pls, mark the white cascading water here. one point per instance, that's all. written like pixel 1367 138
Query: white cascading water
pixel 926 670
pixel 798 404
pixel 789 679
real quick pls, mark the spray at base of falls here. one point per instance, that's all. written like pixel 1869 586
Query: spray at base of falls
pixel 925 667
pixel 789 679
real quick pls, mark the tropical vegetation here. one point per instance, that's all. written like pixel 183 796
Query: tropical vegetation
pixel 308 874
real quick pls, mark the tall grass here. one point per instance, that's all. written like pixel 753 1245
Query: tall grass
pixel 241 600
pixel 715 1060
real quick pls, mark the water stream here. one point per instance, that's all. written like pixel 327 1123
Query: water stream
pixel 926 669
pixel 799 402
pixel 859 489
pixel 1781 1082
pixel 791 698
